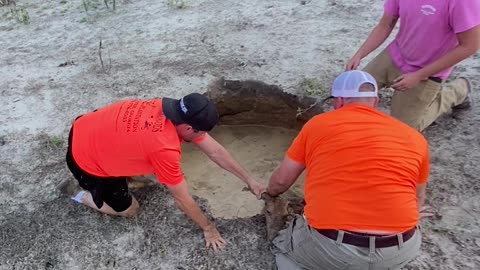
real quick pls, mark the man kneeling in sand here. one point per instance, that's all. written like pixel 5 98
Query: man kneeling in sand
pixel 365 183
pixel 141 137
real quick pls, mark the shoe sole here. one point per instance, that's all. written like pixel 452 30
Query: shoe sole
pixel 68 187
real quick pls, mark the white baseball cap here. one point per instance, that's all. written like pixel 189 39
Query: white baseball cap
pixel 348 84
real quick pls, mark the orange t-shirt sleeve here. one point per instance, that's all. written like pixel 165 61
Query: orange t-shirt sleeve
pixel 297 150
pixel 167 167
pixel 424 169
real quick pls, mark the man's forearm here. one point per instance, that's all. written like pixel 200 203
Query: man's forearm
pixel 374 40
pixel 191 209
pixel 275 185
pixel 421 194
pixel 420 201
pixel 223 159
pixel 450 59
pixel 276 189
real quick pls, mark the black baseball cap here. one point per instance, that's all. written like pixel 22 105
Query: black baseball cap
pixel 194 109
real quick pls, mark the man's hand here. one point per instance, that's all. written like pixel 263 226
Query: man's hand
pixel 256 188
pixel 353 63
pixel 213 238
pixel 426 211
pixel 407 81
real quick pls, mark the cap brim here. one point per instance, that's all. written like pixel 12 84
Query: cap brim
pixel 170 108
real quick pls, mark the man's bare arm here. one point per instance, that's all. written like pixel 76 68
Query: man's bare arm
pixel 284 176
pixel 421 193
pixel 468 44
pixel 218 154
pixel 186 203
pixel 376 38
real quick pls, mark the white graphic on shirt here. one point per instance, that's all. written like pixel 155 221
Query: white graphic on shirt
pixel 428 10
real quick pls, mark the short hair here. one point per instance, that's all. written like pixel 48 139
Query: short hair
pixel 366 87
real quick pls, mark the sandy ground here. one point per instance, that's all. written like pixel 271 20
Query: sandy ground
pixel 260 149
pixel 50 72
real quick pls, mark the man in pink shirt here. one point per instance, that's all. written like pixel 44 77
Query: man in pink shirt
pixel 433 37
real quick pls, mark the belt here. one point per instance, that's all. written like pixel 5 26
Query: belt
pixel 436 79
pixel 363 240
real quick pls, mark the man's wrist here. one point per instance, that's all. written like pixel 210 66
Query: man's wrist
pixel 268 190
pixel 250 181
pixel 421 74
pixel 208 227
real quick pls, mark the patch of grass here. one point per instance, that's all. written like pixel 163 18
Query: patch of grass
pixel 179 4
pixel 55 141
pixel 113 4
pixel 89 4
pixel 4 2
pixel 313 87
pixel 20 14
pixel 63 2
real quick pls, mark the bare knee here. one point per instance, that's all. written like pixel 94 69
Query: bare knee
pixel 132 210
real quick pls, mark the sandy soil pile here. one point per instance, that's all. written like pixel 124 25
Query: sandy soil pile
pixel 50 72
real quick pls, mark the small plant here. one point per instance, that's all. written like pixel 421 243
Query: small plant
pixel 86 5
pixel 89 4
pixel 20 14
pixel 313 87
pixel 105 68
pixel 55 141
pixel 5 2
pixel 180 4
pixel 113 4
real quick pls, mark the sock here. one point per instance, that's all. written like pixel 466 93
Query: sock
pixel 79 196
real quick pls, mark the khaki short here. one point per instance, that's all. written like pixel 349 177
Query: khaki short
pixel 302 247
pixel 422 105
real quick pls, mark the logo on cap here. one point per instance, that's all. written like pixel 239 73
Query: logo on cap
pixel 183 107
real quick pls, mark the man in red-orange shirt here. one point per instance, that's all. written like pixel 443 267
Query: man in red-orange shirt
pixel 365 183
pixel 142 137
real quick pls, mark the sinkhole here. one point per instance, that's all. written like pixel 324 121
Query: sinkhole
pixel 258 122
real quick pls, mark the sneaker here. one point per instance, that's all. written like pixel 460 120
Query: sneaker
pixel 69 187
pixel 468 101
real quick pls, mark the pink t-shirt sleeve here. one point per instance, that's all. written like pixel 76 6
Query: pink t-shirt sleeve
pixel 464 15
pixel 391 7
pixel 167 167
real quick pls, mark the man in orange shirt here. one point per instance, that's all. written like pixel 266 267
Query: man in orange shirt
pixel 365 183
pixel 141 137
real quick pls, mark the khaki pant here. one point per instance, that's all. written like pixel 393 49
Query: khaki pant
pixel 302 247
pixel 421 105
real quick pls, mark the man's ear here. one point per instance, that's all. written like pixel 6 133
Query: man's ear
pixel 338 103
pixel 377 100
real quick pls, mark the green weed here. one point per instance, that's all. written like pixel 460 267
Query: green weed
pixel 55 141
pixel 313 87
pixel 20 14
pixel 180 4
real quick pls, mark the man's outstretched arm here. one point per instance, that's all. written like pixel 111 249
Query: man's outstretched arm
pixel 469 43
pixel 186 203
pixel 218 154
pixel 284 176
pixel 376 38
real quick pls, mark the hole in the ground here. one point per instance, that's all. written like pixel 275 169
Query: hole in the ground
pixel 257 125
